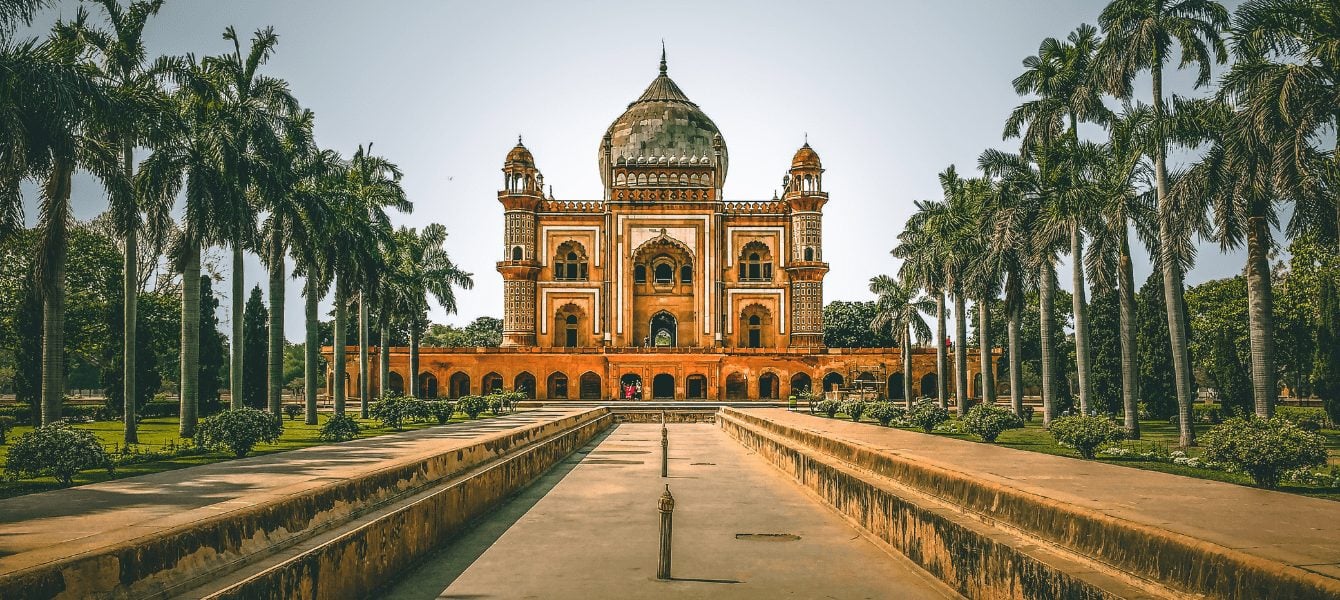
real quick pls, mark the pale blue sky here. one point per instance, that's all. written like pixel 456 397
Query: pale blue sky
pixel 890 93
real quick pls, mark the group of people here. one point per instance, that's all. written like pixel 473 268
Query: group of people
pixel 632 391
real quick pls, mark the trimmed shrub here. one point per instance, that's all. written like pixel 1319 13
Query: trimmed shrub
pixel 885 412
pixel 440 410
pixel 391 411
pixel 417 410
pixel 340 428
pixel 926 414
pixel 828 408
pixel 854 409
pixel 1085 433
pixel 987 421
pixel 1028 412
pixel 1309 419
pixel 293 410
pixel 1264 448
pixel 57 450
pixel 21 413
pixel 6 426
pixel 239 430
pixel 472 406
pixel 157 409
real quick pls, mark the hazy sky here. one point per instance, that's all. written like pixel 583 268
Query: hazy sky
pixel 890 94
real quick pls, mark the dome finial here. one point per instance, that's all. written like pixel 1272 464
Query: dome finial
pixel 518 139
pixel 663 56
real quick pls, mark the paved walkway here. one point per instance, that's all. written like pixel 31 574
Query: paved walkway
pixel 588 529
pixel 1280 527
pixel 42 527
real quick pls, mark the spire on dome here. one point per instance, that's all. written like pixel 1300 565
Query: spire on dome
pixel 663 56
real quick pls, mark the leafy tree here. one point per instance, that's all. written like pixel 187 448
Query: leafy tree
pixel 1105 343
pixel 1326 373
pixel 847 325
pixel 256 339
pixel 1157 378
pixel 1220 349
pixel 483 332
pixel 213 350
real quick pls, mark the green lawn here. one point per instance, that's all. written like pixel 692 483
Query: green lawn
pixel 161 433
pixel 1153 434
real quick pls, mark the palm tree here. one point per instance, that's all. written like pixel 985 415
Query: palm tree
pixel 1063 77
pixel 984 279
pixel 1236 178
pixel 255 106
pixel 318 189
pixel 898 309
pixel 1286 78
pixel 956 229
pixel 120 65
pixel 1010 225
pixel 191 155
pixel 424 269
pixel 923 267
pixel 1122 178
pixel 1139 35
pixel 371 185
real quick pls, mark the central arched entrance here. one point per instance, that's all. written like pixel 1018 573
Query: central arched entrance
pixel 663 386
pixel 664 330
pixel 630 387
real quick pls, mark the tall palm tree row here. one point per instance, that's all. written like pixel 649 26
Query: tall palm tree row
pixel 898 309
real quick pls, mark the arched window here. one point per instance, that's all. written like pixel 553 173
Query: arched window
pixel 517 253
pixel 558 386
pixel 753 327
pixel 755 332
pixel 640 274
pixel 570 262
pixel 809 254
pixel 665 273
pixel 755 262
pixel 686 274
pixel 570 331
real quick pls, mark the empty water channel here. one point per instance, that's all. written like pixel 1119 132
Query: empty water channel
pixel 588 528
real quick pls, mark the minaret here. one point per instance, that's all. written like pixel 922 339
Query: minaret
pixel 521 196
pixel 805 267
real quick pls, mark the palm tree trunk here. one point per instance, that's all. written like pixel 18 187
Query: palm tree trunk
pixel 275 392
pixel 1172 273
pixel 1046 314
pixel 364 386
pixel 1130 377
pixel 56 198
pixel 1016 364
pixel 414 358
pixel 338 347
pixel 311 350
pixel 383 356
pixel 984 351
pixel 1261 319
pixel 907 366
pixel 130 303
pixel 190 338
pixel 960 353
pixel 236 366
pixel 941 353
pixel 1080 302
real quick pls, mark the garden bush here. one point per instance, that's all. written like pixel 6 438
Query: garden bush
pixel 987 421
pixel 854 409
pixel 828 408
pixel 1310 419
pixel 472 406
pixel 1085 433
pixel 441 410
pixel 157 409
pixel 885 412
pixel 340 428
pixel 1264 448
pixel 239 430
pixel 57 450
pixel 21 413
pixel 1028 412
pixel 926 414
pixel 417 410
pixel 293 410
pixel 6 426
pixel 392 410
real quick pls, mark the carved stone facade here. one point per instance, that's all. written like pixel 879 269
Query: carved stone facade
pixel 661 280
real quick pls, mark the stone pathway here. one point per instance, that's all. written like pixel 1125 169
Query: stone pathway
pixel 588 529
pixel 1275 526
pixel 41 527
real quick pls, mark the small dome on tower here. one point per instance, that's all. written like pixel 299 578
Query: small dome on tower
pixel 806 158
pixel 519 156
